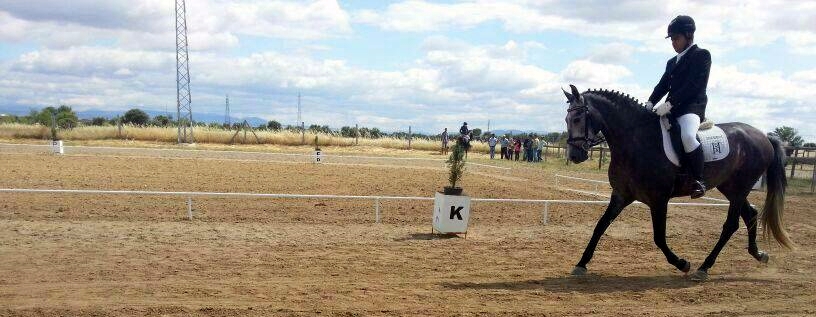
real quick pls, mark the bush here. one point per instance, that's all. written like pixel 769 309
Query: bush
pixel 273 125
pixel 456 164
pixel 136 117
pixel 99 121
pixel 162 121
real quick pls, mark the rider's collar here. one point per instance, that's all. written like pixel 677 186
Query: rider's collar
pixel 679 56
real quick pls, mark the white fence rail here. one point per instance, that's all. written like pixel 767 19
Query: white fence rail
pixel 376 199
pixel 300 155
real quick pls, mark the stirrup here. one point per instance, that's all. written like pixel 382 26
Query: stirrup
pixel 699 190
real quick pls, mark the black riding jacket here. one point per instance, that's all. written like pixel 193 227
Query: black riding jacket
pixel 685 82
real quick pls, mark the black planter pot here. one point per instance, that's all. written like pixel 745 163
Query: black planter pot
pixel 453 191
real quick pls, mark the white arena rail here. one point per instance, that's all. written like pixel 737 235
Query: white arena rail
pixel 250 152
pixel 376 199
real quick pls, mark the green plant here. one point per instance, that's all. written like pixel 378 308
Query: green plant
pixel 788 134
pixel 136 117
pixel 456 165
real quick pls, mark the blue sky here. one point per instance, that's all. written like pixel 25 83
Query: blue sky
pixel 427 64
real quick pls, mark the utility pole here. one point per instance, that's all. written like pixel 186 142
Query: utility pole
pixel 227 115
pixel 183 99
pixel 299 119
pixel 409 137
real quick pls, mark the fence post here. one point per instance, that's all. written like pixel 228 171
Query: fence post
pixel 793 162
pixel 302 133
pixel 409 137
pixel 377 209
pixel 190 208
pixel 600 161
pixel 356 134
pixel 813 179
pixel 546 215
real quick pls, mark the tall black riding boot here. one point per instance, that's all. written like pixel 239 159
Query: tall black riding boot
pixel 696 161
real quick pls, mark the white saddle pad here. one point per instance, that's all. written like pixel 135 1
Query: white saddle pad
pixel 714 143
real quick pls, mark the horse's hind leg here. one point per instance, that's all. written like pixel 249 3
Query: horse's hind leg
pixel 729 227
pixel 616 205
pixel 749 216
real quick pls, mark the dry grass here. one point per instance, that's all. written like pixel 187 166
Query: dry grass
pixel 213 136
pixel 24 131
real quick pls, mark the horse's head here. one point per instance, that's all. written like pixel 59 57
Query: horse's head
pixel 583 126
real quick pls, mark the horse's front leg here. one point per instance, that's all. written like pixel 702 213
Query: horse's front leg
pixel 659 211
pixel 616 204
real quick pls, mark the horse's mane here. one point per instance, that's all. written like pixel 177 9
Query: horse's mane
pixel 618 99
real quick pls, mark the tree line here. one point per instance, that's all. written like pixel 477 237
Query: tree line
pixel 66 118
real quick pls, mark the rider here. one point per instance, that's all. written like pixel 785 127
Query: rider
pixel 464 129
pixel 685 81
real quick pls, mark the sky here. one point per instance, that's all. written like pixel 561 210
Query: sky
pixel 424 64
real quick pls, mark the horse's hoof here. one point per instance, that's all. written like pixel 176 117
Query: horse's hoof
pixel 579 271
pixel 763 257
pixel 687 267
pixel 699 276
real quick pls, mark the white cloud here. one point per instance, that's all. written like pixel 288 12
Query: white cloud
pixel 149 24
pixel 591 74
pixel 723 25
pixel 612 53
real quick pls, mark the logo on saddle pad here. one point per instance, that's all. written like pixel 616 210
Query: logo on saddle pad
pixel 713 140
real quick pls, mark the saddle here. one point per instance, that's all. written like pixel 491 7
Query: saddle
pixel 712 138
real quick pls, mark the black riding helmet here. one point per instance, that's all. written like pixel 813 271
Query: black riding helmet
pixel 682 24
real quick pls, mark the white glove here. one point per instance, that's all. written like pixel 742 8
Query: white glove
pixel 662 109
pixel 649 105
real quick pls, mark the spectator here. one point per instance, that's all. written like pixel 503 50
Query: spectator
pixel 492 144
pixel 504 143
pixel 445 142
pixel 517 147
pixel 539 148
pixel 528 148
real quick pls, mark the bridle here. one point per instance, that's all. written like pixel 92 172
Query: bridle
pixel 587 142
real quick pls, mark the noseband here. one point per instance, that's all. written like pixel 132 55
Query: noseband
pixel 587 142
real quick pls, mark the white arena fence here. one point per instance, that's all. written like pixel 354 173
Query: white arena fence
pixel 192 153
pixel 375 199
pixel 228 154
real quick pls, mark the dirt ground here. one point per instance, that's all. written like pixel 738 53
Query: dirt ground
pixel 120 255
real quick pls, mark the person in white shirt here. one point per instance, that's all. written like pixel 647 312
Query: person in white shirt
pixel 492 143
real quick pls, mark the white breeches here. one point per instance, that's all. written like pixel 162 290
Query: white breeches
pixel 689 124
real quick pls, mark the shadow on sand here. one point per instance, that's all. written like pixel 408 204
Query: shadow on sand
pixel 600 283
pixel 427 236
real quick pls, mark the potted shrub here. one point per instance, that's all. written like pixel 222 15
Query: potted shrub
pixel 317 156
pixel 456 168
pixel 451 207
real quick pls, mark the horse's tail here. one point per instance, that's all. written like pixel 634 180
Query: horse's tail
pixel 775 199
